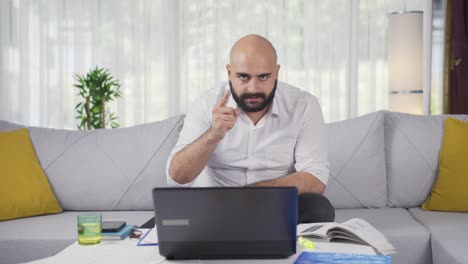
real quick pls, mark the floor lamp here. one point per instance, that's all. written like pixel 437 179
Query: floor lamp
pixel 405 61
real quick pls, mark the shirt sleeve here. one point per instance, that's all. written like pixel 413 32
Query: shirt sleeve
pixel 196 122
pixel 311 152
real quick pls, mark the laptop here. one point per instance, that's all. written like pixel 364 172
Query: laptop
pixel 226 222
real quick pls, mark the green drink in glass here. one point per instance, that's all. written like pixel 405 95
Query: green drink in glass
pixel 89 229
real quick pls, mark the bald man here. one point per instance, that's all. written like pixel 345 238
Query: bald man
pixel 255 131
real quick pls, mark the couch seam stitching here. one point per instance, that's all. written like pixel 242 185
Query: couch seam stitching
pixel 146 165
pixel 349 159
pixel 417 150
pixel 66 149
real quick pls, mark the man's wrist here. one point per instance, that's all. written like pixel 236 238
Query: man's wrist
pixel 212 137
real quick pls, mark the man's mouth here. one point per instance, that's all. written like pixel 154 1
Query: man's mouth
pixel 253 100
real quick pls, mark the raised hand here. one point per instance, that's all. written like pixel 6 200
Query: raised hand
pixel 223 118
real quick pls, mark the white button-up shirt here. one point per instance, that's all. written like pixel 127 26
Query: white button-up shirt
pixel 290 137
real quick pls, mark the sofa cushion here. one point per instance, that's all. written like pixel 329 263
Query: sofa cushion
pixel 357 163
pixel 24 189
pixel 449 192
pixel 105 169
pixel 32 238
pixel 410 238
pixel 412 144
pixel 449 235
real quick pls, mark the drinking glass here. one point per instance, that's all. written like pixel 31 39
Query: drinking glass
pixel 89 228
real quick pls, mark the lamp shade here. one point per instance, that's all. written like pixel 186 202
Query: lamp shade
pixel 405 61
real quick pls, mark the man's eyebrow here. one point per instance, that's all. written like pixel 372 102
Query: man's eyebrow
pixel 242 73
pixel 265 74
pixel 246 74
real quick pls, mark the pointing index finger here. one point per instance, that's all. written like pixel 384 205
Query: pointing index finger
pixel 225 98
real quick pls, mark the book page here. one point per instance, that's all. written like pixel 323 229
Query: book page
pixel 366 232
pixel 318 230
pixel 336 234
pixel 342 248
pixel 353 230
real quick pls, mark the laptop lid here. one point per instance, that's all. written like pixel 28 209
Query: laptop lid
pixel 226 222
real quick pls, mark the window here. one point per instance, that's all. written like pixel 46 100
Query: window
pixel 165 53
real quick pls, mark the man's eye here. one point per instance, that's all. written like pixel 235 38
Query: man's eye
pixel 263 77
pixel 243 77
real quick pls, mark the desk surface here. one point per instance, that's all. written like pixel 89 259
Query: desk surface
pixel 127 251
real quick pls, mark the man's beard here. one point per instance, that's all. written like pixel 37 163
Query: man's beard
pixel 257 107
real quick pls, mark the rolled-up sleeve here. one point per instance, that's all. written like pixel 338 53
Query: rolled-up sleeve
pixel 196 122
pixel 311 152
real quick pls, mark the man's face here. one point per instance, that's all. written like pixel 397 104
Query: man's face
pixel 253 102
pixel 253 80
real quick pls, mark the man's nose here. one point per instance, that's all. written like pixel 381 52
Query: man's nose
pixel 254 85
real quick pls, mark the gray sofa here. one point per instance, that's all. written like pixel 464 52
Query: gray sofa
pixel 382 169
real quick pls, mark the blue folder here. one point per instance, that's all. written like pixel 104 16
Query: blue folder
pixel 338 258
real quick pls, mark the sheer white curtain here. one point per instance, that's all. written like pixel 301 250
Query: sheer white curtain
pixel 166 52
pixel 43 43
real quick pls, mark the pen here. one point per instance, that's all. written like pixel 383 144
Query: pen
pixel 306 243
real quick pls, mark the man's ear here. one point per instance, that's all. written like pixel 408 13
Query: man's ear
pixel 228 69
pixel 277 69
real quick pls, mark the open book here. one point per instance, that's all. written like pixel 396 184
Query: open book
pixel 355 230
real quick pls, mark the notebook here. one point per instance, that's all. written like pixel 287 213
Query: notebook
pixel 119 235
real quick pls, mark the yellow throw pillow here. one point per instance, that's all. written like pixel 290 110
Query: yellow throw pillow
pixel 24 188
pixel 450 191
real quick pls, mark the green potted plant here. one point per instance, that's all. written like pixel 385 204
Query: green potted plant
pixel 96 89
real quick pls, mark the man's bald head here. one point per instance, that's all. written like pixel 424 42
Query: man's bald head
pixel 253 46
pixel 253 74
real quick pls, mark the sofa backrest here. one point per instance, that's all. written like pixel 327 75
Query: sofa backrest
pixel 117 169
pixel 105 169
pixel 357 163
pixel 412 146
pixel 376 160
